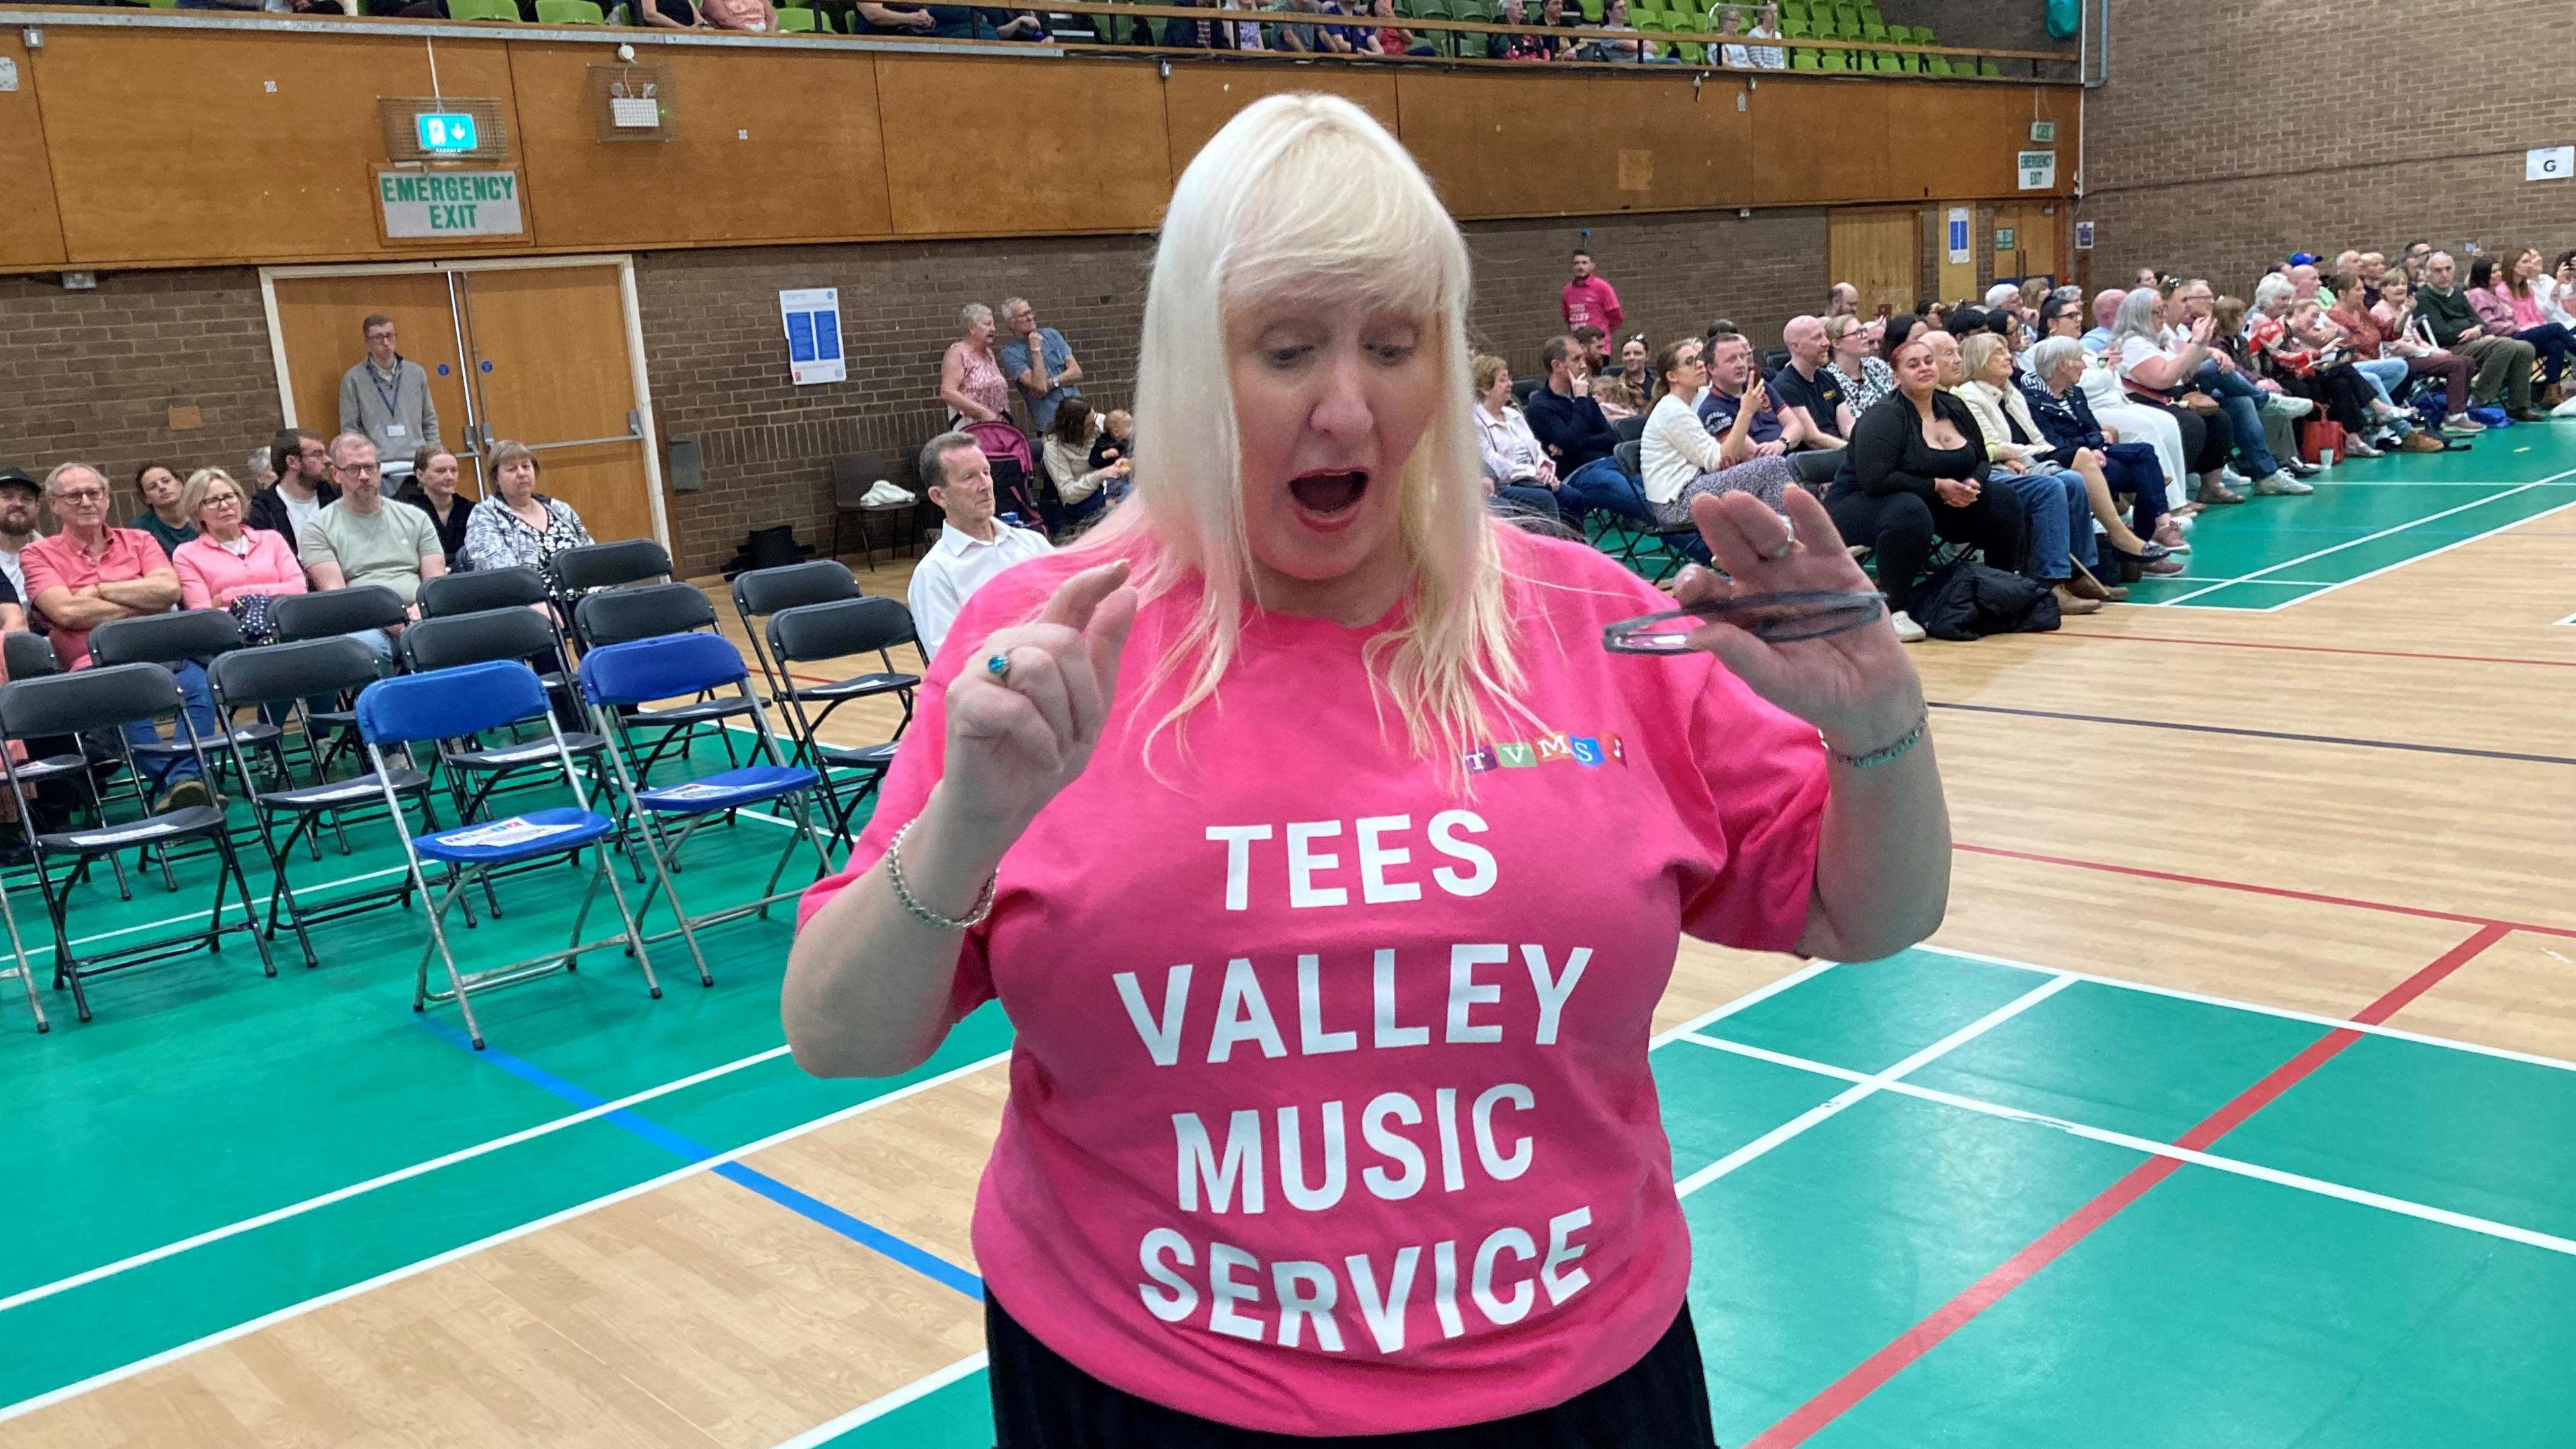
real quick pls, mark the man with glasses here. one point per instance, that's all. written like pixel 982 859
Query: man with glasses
pixel 304 487
pixel 1039 363
pixel 361 540
pixel 90 574
pixel 386 396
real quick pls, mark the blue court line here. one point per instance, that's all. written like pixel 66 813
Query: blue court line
pixel 2254 734
pixel 866 1234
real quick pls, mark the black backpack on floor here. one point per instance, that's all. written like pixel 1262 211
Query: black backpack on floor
pixel 1966 599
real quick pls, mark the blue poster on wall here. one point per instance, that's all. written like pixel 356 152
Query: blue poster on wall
pixel 813 320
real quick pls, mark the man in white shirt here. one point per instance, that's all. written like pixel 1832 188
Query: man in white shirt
pixel 973 545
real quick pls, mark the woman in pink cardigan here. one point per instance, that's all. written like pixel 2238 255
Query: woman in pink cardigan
pixel 227 561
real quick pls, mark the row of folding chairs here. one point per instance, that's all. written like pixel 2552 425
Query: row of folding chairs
pixel 633 633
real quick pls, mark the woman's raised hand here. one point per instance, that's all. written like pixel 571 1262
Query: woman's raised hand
pixel 1856 687
pixel 1018 735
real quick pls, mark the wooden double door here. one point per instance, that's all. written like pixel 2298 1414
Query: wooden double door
pixel 539 354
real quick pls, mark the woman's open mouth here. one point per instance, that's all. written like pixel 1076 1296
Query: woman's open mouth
pixel 1328 501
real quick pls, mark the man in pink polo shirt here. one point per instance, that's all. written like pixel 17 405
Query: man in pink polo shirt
pixel 90 574
pixel 1589 300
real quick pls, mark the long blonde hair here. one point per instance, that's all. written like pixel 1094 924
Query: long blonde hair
pixel 1304 195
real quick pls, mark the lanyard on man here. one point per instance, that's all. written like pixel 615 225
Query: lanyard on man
pixel 393 410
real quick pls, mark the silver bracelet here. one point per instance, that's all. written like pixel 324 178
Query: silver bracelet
pixel 894 873
pixel 1896 751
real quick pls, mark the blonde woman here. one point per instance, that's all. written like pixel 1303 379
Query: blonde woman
pixel 228 565
pixel 1257 742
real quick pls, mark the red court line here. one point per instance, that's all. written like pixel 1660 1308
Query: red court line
pixel 2312 649
pixel 2284 892
pixel 1838 1397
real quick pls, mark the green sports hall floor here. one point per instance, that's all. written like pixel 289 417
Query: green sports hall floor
pixel 1937 1200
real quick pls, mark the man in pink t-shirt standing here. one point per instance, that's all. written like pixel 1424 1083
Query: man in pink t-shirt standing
pixel 1589 299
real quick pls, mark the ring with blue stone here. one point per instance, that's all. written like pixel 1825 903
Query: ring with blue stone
pixel 999 666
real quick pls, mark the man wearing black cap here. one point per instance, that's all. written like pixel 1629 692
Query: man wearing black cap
pixel 19 495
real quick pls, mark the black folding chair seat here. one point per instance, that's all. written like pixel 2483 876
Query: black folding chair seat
pixel 857 686
pixel 343 794
pixel 840 629
pixel 353 610
pixel 190 823
pixel 858 757
pixel 650 611
pixel 518 756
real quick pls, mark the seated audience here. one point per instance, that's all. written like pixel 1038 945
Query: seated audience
pixel 261 474
pixel 1299 39
pixel 2408 337
pixel 1201 34
pixel 1570 422
pixel 2059 549
pixel 2366 342
pixel 971 380
pixel 90 574
pixel 2511 307
pixel 1067 449
pixel 1518 473
pixel 1636 367
pixel 755 16
pixel 1679 457
pixel 1594 345
pixel 875 19
pixel 519 527
pixel 2052 387
pixel 431 488
pixel 2158 375
pixel 1392 39
pixel 1116 443
pixel 2283 353
pixel 1515 45
pixel 973 545
pixel 19 496
pixel 229 563
pixel 2557 288
pixel 1856 366
pixel 1340 39
pixel 304 487
pixel 1915 471
pixel 1626 45
pixel 2451 320
pixel 367 538
pixel 2106 310
pixel 1807 395
pixel 159 487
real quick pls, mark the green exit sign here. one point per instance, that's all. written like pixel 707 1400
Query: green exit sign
pixel 445 131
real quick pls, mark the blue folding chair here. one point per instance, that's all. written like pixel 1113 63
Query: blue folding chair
pixel 470 700
pixel 617 679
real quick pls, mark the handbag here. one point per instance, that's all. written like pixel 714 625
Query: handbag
pixel 257 616
pixel 2320 440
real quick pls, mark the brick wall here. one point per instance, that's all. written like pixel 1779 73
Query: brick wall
pixel 99 375
pixel 719 370
pixel 2285 135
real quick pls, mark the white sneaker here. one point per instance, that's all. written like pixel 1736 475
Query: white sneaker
pixel 2236 482
pixel 2279 483
pixel 2356 448
pixel 2287 406
pixel 1907 631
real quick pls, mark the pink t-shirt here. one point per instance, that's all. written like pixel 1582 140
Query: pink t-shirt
pixel 1330 1110
pixel 1592 303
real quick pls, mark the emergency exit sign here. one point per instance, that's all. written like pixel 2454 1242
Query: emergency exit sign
pixel 435 205
pixel 445 133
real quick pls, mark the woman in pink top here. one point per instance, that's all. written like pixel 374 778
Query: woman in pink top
pixel 227 561
pixel 1332 870
pixel 2516 314
pixel 970 376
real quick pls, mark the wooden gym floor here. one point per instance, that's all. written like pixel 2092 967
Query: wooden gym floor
pixel 2231 1105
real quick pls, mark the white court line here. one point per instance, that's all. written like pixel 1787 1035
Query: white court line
pixel 2392 529
pixel 2570 619
pixel 2360 1196
pixel 2433 553
pixel 1756 997
pixel 466 1250
pixel 884 1404
pixel 46 948
pixel 1865 1086
pixel 2531 1059
pixel 387 1179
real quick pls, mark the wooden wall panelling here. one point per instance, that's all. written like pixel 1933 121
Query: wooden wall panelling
pixel 1505 145
pixel 1023 147
pixel 770 146
pixel 1965 140
pixel 34 235
pixel 171 147
pixel 1815 141
pixel 1199 99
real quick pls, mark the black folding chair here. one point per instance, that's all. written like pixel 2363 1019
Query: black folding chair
pixel 649 611
pixel 483 590
pixel 111 697
pixel 476 768
pixel 29 656
pixel 354 610
pixel 197 636
pixel 761 593
pixel 283 678
pixel 594 566
pixel 838 630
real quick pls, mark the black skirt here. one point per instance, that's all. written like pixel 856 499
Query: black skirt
pixel 1042 1402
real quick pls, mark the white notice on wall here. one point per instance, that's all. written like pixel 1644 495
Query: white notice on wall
pixel 1958 236
pixel 813 316
pixel 2549 163
pixel 2038 170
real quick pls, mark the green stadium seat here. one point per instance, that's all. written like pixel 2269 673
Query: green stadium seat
pixel 1872 30
pixel 1803 59
pixel 1443 41
pixel 1922 35
pixel 1836 60
pixel 482 9
pixel 1937 65
pixel 1593 10
pixel 570 12
pixel 1794 29
pixel 1847 20
pixel 792 19
pixel 1791 11
pixel 1988 67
